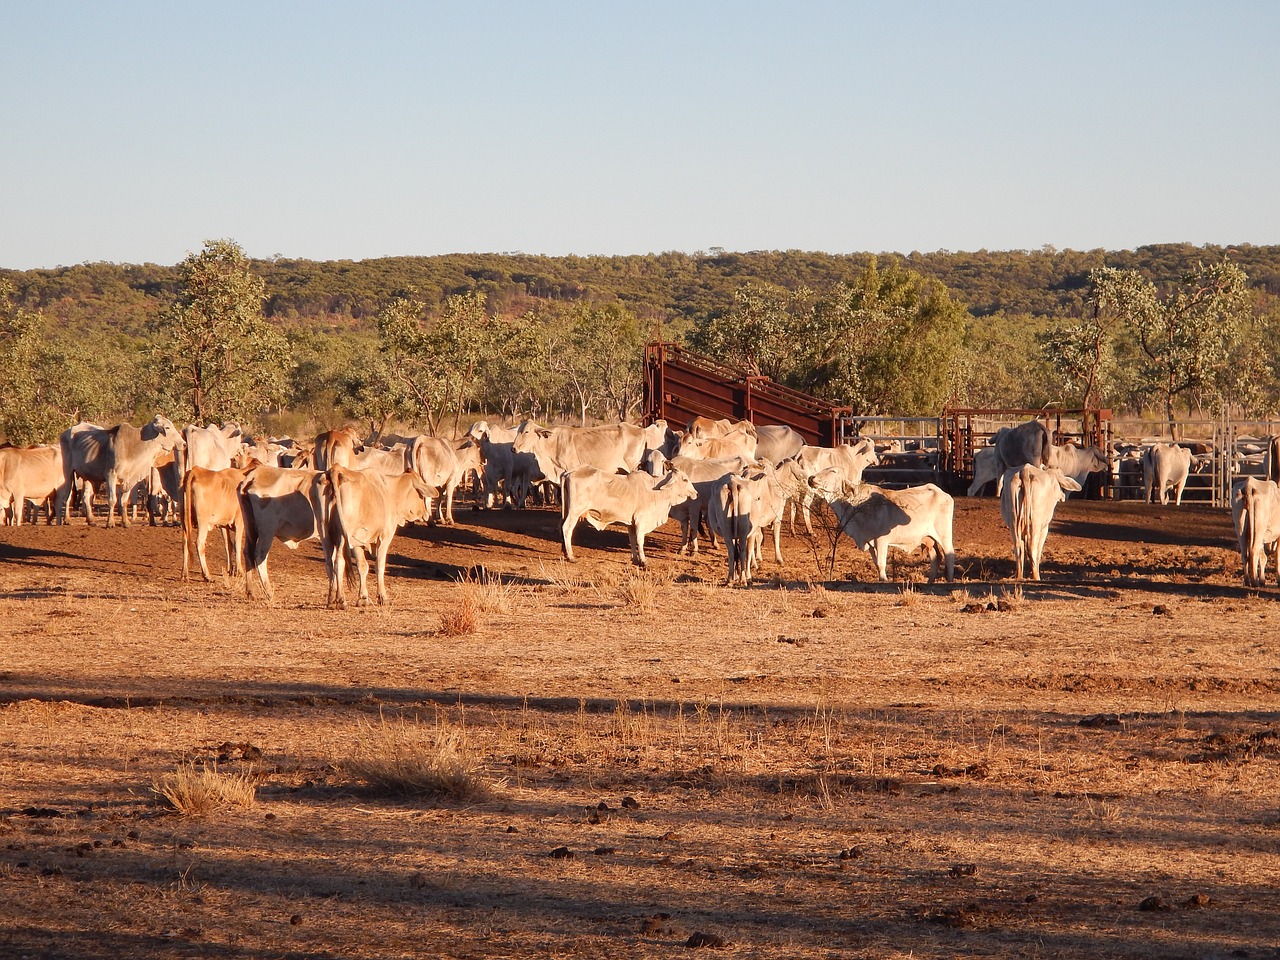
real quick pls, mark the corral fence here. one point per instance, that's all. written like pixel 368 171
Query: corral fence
pixel 680 385
pixel 1223 450
pixel 965 430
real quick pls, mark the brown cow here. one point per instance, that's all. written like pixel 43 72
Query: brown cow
pixel 210 498
pixel 336 448
pixel 29 474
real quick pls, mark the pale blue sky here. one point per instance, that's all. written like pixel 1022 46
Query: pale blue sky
pixel 135 131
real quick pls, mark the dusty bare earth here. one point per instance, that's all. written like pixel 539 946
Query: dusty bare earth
pixel 817 766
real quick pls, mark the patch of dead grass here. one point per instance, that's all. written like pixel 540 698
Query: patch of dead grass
pixel 403 758
pixel 197 791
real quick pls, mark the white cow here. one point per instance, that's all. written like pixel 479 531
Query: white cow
pixel 121 458
pixel 736 443
pixel 1255 511
pixel 1165 467
pixel 776 442
pixel 498 457
pixel 278 504
pixel 877 519
pixel 704 475
pixel 611 447
pixel 1028 496
pixel 639 500
pixel 742 506
pixel 214 448
pixel 848 459
pixel 363 510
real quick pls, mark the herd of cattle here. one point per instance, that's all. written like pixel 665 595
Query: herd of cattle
pixel 734 480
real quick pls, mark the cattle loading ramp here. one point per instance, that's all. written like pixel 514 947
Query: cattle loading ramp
pixel 680 385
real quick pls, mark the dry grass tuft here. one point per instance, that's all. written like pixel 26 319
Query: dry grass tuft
pixel 907 596
pixel 407 759
pixel 193 791
pixel 464 618
pixel 491 594
pixel 640 590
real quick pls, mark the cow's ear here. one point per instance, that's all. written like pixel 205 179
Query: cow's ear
pixel 545 434
pixel 667 465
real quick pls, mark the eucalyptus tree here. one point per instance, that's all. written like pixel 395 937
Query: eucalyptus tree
pixel 1187 339
pixel 434 364
pixel 218 357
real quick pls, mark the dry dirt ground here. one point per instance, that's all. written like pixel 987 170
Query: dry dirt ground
pixel 816 766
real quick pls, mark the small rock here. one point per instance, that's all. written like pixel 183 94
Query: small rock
pixel 1160 610
pixel 819 613
pixel 604 851
pixel 964 869
pixel 851 853
pixel 603 805
pixel 513 829
pixel 705 940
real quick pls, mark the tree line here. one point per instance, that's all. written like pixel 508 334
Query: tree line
pixel 285 345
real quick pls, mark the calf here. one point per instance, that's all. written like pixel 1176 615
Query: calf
pixel 211 498
pixel 29 474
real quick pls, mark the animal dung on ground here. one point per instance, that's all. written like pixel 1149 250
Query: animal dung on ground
pixel 700 939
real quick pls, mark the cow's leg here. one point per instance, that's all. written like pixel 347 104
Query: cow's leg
pixel 446 504
pixel 362 565
pixel 1182 485
pixel 637 544
pixel 777 539
pixel 202 538
pixel 235 537
pixel 384 547
pixel 566 535
pixel 336 558
pixel 115 500
pixel 261 550
pixel 880 554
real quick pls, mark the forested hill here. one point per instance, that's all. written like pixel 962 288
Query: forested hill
pixel 666 286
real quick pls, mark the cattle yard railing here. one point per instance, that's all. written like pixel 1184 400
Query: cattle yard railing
pixel 1222 451
pixel 966 429
pixel 910 449
pixel 680 385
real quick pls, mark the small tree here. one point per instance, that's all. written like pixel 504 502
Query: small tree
pixel 1188 339
pixel 219 357
pixel 434 366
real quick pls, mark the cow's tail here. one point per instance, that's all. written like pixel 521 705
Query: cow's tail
pixel 1046 447
pixel 188 522
pixel 565 493
pixel 735 544
pixel 249 550
pixel 1256 565
pixel 1021 498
